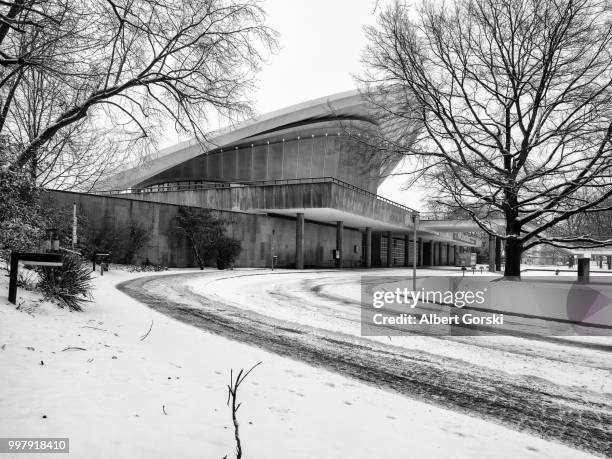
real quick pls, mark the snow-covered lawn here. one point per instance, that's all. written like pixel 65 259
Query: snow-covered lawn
pixel 97 382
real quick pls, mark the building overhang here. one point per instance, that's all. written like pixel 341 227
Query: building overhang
pixel 326 200
pixel 348 105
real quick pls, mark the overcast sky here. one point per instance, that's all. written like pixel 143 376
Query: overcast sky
pixel 321 43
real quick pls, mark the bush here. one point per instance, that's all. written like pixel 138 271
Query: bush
pixel 22 221
pixel 137 238
pixel 146 268
pixel 228 250
pixel 203 231
pixel 19 234
pixel 70 285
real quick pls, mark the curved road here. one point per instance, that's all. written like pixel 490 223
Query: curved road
pixel 577 416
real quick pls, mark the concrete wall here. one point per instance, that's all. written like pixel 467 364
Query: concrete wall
pixel 258 233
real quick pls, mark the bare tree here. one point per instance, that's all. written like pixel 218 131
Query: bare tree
pixel 132 65
pixel 202 229
pixel 512 103
pixel 78 155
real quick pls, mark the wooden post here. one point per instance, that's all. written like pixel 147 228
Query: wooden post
pixel 12 295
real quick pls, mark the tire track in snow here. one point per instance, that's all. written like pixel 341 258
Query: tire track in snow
pixel 582 420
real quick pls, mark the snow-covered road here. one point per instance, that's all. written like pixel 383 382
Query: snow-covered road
pixel 558 390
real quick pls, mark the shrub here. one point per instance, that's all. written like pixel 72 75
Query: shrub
pixel 21 218
pixel 19 234
pixel 137 238
pixel 228 250
pixel 70 285
pixel 202 229
pixel 146 268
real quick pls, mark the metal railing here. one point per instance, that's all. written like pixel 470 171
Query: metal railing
pixel 453 216
pixel 178 186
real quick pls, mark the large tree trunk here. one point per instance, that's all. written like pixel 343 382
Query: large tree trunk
pixel 514 250
pixel 514 243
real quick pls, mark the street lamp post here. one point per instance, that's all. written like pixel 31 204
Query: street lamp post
pixel 415 222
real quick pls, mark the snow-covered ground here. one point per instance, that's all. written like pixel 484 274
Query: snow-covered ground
pixel 116 395
pixel 331 301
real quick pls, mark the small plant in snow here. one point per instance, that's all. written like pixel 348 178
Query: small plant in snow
pixel 232 400
pixel 27 279
pixel 70 285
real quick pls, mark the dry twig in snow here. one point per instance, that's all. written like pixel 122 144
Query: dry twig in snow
pixel 143 337
pixel 232 396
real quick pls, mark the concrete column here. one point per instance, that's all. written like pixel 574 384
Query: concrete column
pixel 339 234
pixel 389 250
pixel 492 262
pixel 368 247
pixel 584 270
pixel 407 250
pixel 299 241
pixel 432 244
pixel 436 251
pixel 498 251
pixel 420 262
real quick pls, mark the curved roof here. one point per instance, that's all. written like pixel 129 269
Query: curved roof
pixel 347 105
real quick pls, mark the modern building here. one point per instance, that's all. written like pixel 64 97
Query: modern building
pixel 298 190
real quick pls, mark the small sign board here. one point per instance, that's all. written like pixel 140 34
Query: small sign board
pixel 31 259
pixel 101 257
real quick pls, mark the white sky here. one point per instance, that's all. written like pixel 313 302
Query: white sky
pixel 321 43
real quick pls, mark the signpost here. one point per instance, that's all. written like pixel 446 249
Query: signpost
pixel 415 223
pixel 74 225
pixel 102 256
pixel 29 258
